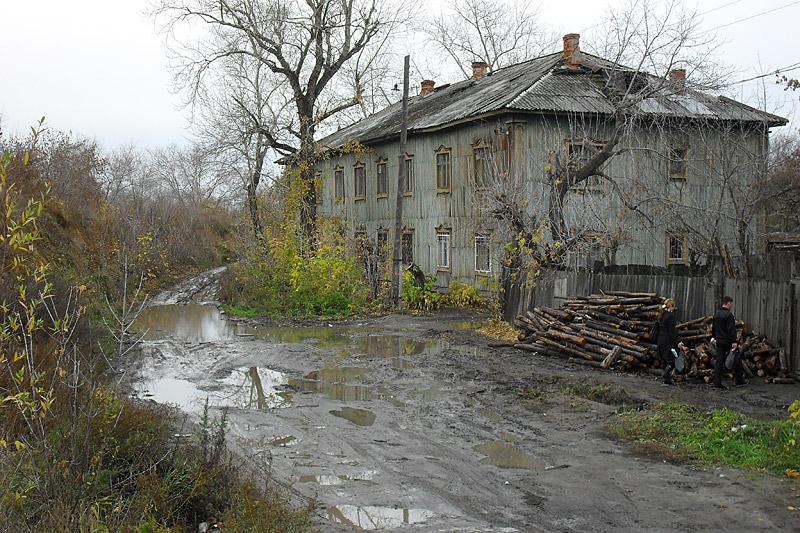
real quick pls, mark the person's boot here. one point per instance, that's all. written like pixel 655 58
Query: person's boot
pixel 668 375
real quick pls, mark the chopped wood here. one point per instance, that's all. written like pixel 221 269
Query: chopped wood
pixel 611 330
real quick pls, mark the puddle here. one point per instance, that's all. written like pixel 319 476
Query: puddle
pixel 246 388
pixel 505 455
pixel 193 322
pixel 394 346
pixel 360 417
pixel 329 479
pixel 376 517
pixel 324 480
pixel 340 374
pixel 336 391
pixel 321 337
pixel 335 383
pixel 178 392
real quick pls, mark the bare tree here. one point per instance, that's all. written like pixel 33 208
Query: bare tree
pixel 304 44
pixel 591 194
pixel 496 32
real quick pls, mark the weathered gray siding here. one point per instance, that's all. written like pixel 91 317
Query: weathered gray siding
pixel 530 139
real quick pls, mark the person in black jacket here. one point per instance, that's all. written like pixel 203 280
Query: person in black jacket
pixel 723 331
pixel 667 338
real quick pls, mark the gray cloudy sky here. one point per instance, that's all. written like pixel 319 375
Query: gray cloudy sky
pixel 99 68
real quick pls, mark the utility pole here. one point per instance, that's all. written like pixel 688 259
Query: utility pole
pixel 397 278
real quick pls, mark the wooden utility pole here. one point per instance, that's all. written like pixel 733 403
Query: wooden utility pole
pixel 397 278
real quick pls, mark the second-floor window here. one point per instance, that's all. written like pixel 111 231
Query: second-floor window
pixel 338 183
pixel 360 181
pixel 481 159
pixel 443 170
pixel 579 154
pixel 382 179
pixel 408 185
pixel 677 163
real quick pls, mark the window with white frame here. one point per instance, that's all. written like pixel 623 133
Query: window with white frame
pixel 483 260
pixel 677 249
pixel 443 249
pixel 443 170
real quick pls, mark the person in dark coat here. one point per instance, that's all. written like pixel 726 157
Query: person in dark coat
pixel 667 338
pixel 723 331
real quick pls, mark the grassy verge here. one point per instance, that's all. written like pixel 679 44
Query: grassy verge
pixel 718 436
pixel 609 394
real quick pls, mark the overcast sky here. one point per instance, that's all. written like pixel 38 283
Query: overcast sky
pixel 99 68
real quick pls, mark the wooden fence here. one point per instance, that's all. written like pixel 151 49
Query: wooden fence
pixel 771 308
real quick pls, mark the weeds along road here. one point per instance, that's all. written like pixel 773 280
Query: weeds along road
pixel 412 422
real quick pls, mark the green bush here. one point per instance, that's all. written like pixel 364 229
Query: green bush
pixel 284 282
pixel 424 298
pixel 462 295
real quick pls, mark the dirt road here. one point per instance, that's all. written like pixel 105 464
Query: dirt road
pixel 412 422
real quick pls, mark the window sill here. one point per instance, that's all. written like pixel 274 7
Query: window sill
pixel 360 198
pixel 677 177
pixel 483 273
pixel 379 196
pixel 677 262
pixel 408 194
pixel 442 269
pixel 442 191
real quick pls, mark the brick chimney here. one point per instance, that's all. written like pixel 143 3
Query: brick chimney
pixel 677 79
pixel 572 50
pixel 426 87
pixel 479 69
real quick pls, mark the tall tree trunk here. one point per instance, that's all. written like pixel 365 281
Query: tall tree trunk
pixel 252 197
pixel 308 202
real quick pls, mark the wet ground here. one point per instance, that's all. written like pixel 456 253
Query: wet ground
pixel 413 422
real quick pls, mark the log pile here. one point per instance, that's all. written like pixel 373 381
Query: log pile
pixel 612 331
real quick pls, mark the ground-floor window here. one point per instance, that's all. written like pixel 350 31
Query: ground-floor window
pixel 443 249
pixel 677 249
pixel 407 246
pixel 483 262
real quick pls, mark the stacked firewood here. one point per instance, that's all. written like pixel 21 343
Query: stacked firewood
pixel 612 330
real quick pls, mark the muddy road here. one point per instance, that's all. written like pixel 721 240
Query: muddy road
pixel 413 422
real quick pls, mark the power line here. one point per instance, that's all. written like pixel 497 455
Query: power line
pixel 790 4
pixel 781 70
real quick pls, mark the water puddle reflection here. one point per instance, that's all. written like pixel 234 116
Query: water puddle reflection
pixel 246 388
pixel 394 346
pixel 360 417
pixel 376 517
pixel 505 455
pixel 193 323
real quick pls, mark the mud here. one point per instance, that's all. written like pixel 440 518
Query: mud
pixel 406 422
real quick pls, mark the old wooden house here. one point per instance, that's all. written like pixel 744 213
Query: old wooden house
pixel 680 145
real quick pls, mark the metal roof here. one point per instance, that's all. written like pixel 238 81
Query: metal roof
pixel 539 85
